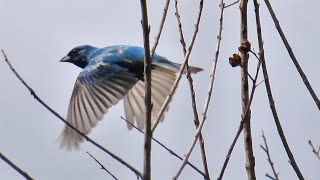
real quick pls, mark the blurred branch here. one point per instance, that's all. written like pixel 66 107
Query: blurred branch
pixel 66 122
pixel 147 98
pixel 266 150
pixel 15 167
pixel 102 166
pixel 270 97
pixel 316 152
pixel 293 57
pixel 166 148
pixel 246 112
pixel 193 96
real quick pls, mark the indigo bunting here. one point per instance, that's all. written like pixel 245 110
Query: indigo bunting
pixel 110 74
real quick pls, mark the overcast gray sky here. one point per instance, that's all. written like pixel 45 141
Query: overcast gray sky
pixel 36 34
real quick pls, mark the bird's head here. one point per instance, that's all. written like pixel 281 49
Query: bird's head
pixel 79 55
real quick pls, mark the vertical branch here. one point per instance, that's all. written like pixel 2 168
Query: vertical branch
pixel 193 96
pixel 15 167
pixel 270 96
pixel 247 111
pixel 250 161
pixel 293 57
pixel 147 81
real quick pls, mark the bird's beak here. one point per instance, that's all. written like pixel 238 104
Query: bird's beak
pixel 65 59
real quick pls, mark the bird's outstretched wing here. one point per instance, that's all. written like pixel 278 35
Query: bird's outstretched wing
pixel 97 88
pixel 161 84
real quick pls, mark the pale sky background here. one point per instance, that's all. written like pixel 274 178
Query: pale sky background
pixel 36 34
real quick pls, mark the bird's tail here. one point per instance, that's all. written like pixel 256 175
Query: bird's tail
pixel 176 67
pixel 193 69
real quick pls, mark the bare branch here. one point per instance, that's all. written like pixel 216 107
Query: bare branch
pixel 182 69
pixel 147 98
pixel 193 96
pixel 293 57
pixel 226 6
pixel 166 148
pixel 209 91
pixel 316 152
pixel 15 167
pixel 182 41
pixel 270 97
pixel 246 112
pixel 102 166
pixel 66 122
pixel 164 15
pixel 266 150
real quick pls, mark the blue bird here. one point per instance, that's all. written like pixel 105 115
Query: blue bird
pixel 110 74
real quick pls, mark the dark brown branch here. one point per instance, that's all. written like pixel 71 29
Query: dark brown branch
pixel 102 166
pixel 166 148
pixel 270 97
pixel 316 152
pixel 246 112
pixel 15 167
pixel 66 122
pixel 293 57
pixel 147 98
pixel 193 97
pixel 266 150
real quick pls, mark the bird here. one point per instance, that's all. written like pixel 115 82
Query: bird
pixel 108 75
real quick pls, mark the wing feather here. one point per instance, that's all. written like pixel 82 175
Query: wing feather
pixel 162 82
pixel 96 90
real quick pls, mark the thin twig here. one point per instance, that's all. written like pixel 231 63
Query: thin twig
pixel 266 150
pixel 226 6
pixel 293 57
pixel 165 147
pixel 317 153
pixel 164 15
pixel 193 97
pixel 66 122
pixel 147 98
pixel 246 112
pixel 270 97
pixel 102 166
pixel 182 40
pixel 208 98
pixel 175 84
pixel 15 167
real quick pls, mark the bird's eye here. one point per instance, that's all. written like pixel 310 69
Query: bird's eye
pixel 72 53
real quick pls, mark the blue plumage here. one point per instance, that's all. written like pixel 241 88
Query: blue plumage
pixel 110 74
